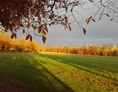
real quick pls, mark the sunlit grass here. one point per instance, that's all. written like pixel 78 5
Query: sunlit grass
pixel 51 72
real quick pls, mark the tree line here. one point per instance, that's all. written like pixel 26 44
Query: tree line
pixel 17 45
pixel 23 45
pixel 105 50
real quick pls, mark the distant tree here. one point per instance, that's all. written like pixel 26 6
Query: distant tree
pixel 8 44
pixel 37 15
pixel 5 41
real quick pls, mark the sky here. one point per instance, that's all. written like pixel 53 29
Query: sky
pixel 99 33
pixel 102 32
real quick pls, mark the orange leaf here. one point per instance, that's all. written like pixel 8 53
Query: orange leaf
pixel 88 20
pixel 33 27
pixel 84 31
pixel 43 32
pixel 13 35
pixel 107 15
pixel 29 25
pixel 69 27
pixel 46 28
pixel 100 18
pixel 30 38
pixel 52 23
pixel 39 18
pixel 43 39
pixel 90 17
pixel 40 28
pixel 27 37
pixel 93 20
pixel 23 31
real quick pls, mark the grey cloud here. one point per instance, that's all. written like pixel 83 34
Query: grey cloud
pixel 101 32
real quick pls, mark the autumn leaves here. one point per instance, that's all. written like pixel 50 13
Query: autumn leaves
pixel 38 15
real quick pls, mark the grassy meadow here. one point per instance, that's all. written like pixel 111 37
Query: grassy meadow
pixel 51 72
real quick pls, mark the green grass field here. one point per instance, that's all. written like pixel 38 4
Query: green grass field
pixel 59 72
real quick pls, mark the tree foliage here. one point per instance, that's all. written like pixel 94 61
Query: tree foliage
pixel 37 15
pixel 105 50
pixel 22 45
pixel 16 45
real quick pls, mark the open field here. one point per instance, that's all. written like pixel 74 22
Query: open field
pixel 49 72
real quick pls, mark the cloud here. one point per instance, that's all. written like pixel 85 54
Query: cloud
pixel 101 32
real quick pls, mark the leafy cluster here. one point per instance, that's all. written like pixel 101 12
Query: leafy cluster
pixel 34 16
pixel 19 45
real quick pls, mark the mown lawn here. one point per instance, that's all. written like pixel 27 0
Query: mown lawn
pixel 59 72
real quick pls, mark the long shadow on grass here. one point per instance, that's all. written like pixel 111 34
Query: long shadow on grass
pixel 81 66
pixel 54 84
pixel 25 72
